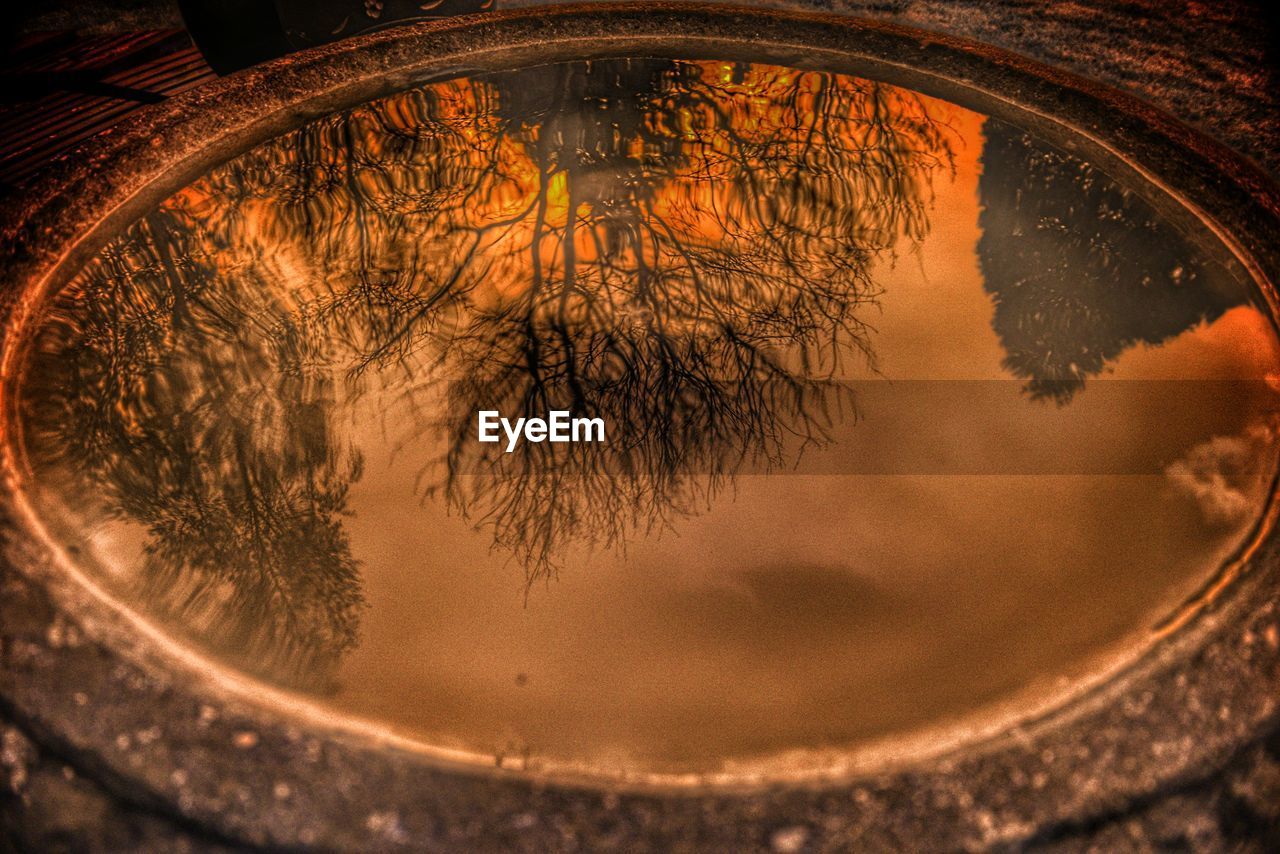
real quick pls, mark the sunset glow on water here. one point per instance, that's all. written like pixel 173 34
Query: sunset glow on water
pixel 910 415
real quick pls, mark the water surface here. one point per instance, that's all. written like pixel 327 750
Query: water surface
pixel 909 414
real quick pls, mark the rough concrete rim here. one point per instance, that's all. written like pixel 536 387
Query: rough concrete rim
pixel 154 731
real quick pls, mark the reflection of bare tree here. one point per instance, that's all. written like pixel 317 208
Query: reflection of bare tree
pixel 655 243
pixel 1080 269
pixel 683 249
pixel 692 254
pixel 192 403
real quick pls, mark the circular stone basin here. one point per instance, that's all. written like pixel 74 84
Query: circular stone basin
pixel 911 417
pixel 906 412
